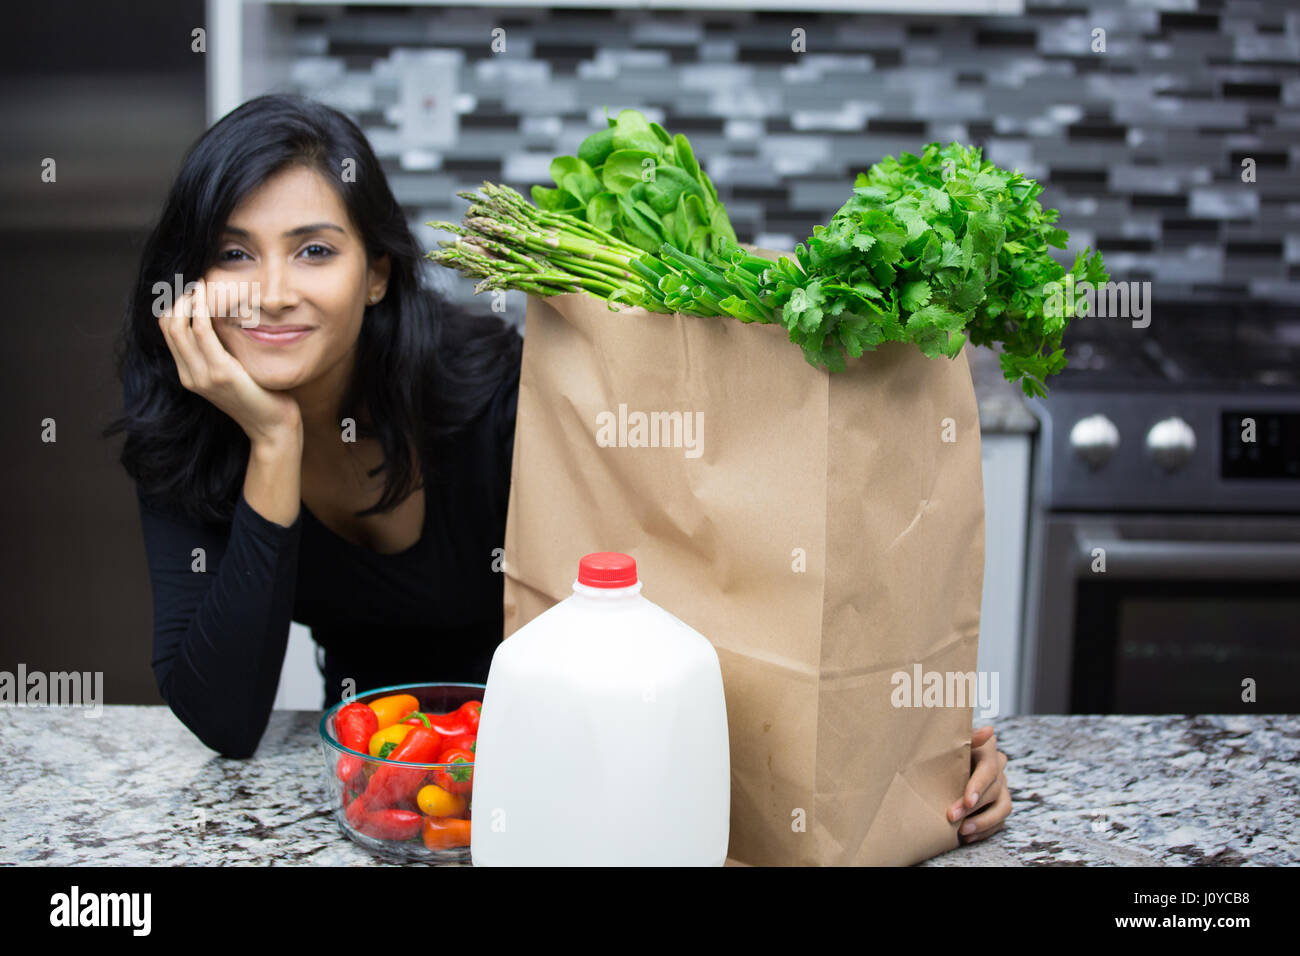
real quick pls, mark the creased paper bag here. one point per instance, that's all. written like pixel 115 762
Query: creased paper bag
pixel 824 531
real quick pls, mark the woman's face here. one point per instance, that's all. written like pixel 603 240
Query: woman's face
pixel 292 241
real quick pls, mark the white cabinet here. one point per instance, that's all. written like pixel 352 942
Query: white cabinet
pixel 1006 509
pixel 301 685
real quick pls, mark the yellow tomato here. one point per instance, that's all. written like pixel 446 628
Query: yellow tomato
pixel 393 708
pixel 437 802
pixel 394 734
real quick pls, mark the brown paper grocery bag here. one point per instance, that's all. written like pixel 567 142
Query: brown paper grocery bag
pixel 824 531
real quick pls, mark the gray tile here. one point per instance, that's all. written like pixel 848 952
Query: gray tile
pixel 1177 133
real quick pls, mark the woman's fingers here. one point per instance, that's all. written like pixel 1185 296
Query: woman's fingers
pixel 990 792
pixel 207 368
pixel 191 333
pixel 175 325
pixel 205 336
pixel 985 768
pixel 200 366
pixel 989 820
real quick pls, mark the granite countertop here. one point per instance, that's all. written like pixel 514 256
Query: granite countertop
pixel 135 787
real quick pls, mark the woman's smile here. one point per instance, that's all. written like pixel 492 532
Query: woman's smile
pixel 277 335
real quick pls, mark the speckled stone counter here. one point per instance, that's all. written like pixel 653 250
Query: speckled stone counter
pixel 135 787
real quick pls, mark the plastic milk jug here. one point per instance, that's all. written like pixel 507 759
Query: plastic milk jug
pixel 603 739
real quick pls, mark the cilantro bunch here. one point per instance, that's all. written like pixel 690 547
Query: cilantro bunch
pixel 933 249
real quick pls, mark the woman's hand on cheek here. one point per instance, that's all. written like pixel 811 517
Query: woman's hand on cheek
pixel 986 802
pixel 206 368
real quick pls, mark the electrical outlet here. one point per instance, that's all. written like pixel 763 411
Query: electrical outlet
pixel 428 83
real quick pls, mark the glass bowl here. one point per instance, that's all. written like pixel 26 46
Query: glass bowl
pixel 407 779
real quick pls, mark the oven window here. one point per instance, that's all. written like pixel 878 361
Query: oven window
pixel 1178 647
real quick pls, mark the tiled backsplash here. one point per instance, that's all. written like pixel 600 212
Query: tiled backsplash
pixel 1140 146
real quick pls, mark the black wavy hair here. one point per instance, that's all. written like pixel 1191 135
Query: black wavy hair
pixel 423 370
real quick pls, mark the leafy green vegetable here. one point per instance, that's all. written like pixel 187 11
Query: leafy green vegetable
pixel 934 249
pixel 641 186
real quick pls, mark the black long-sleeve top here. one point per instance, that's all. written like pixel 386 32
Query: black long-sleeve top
pixel 430 613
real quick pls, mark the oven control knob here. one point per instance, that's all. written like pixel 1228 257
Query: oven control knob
pixel 1094 439
pixel 1171 443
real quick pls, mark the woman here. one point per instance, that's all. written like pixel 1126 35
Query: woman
pixel 231 429
pixel 337 452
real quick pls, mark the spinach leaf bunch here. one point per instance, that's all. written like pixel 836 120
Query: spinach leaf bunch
pixel 636 182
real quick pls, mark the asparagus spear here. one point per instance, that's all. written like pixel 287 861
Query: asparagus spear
pixel 509 243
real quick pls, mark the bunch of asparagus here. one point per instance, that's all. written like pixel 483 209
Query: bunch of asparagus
pixel 508 243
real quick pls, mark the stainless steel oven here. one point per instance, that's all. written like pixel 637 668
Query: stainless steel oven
pixel 1172 614
pixel 1164 572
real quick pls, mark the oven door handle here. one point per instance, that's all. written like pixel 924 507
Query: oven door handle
pixel 1189 559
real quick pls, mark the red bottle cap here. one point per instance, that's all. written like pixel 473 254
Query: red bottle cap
pixel 607 569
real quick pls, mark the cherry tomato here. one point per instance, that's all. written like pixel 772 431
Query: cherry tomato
pixel 443 833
